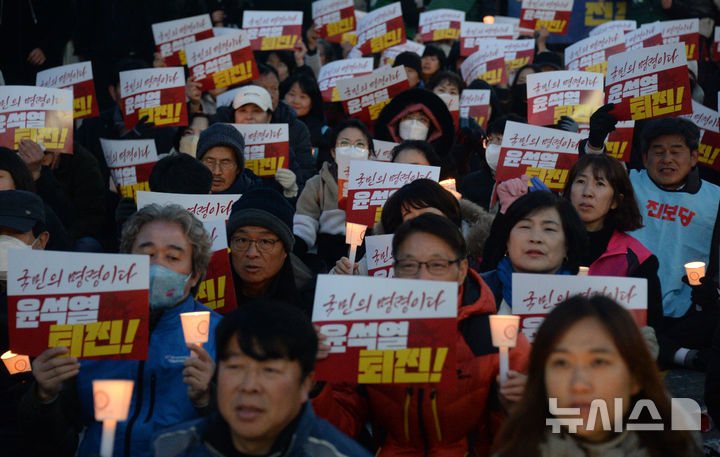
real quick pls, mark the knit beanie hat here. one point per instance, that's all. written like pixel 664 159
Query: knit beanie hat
pixel 222 135
pixel 264 207
pixel 409 59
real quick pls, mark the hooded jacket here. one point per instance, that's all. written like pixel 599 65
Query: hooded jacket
pixel 412 421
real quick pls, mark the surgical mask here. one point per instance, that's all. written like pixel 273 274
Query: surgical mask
pixel 167 287
pixel 9 242
pixel 492 154
pixel 413 129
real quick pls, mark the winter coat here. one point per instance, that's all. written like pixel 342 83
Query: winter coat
pixel 244 181
pixel 412 421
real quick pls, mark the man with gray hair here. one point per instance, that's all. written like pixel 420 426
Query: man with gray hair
pixel 170 387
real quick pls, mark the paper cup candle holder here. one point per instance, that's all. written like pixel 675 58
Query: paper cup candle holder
pixel 504 332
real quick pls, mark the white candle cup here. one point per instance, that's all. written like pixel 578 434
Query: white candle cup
pixel 351 256
pixel 196 327
pixel 695 271
pixel 112 403
pixel 583 271
pixel 504 330
pixel 354 233
pixel 489 19
pixel 16 363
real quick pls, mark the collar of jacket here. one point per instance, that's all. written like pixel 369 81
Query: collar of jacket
pixel 692 182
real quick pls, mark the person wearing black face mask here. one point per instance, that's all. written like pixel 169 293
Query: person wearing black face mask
pixel 518 90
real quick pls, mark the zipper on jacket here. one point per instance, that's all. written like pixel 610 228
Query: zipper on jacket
pixel 421 424
pixel 436 418
pixel 406 413
pixel 138 406
pixel 152 397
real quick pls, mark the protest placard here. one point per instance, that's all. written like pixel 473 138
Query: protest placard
pixel 388 55
pixel 553 94
pixel 647 36
pixel 333 18
pixel 158 93
pixel 379 255
pixel 96 305
pixel 535 295
pixel 79 78
pixel 475 104
pixel 273 30
pixel 453 104
pixel 686 31
pixel 171 37
pixel 518 53
pixel 383 150
pixel 331 72
pixel 440 24
pixel 365 96
pixel 612 26
pixel 40 114
pixel 591 54
pixel 386 331
pixel 708 121
pixel 381 29
pixel 552 14
pixel 618 143
pixel 370 183
pixel 474 35
pixel 130 163
pixel 716 45
pixel 537 151
pixel 216 291
pixel 343 157
pixel 649 83
pixel 487 63
pixel 267 147
pixel 222 61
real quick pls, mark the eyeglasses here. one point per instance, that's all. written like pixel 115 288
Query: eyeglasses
pixel 434 267
pixel 242 244
pixel 223 164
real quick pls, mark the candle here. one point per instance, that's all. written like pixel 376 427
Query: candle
pixel 695 271
pixel 504 329
pixel 112 403
pixel 196 327
pixel 16 363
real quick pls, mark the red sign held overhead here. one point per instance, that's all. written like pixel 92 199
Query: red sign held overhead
pixel 158 93
pixel 171 37
pixel 79 78
pixel 222 61
pixel 273 30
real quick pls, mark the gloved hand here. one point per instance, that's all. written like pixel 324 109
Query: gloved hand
pixel 288 181
pixel 510 190
pixel 705 294
pixel 537 184
pixel 568 124
pixel 140 128
pixel 601 124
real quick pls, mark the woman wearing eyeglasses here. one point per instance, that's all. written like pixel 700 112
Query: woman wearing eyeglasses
pixel 459 421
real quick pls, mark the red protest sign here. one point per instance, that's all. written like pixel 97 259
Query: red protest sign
pixel 552 14
pixel 487 63
pixel 649 83
pixel 216 291
pixel 518 53
pixel 612 26
pixel 222 61
pixel 40 114
pixel 171 37
pixel 708 121
pixel 591 54
pixel 379 256
pixel 619 142
pixel 331 72
pixel 79 78
pixel 686 31
pixel 381 29
pixel 388 55
pixel 383 151
pixel 647 36
pixel 440 24
pixel 475 104
pixel 364 97
pixel 386 331
pixel 537 151
pixel 273 30
pixel 130 163
pixel 158 93
pixel 474 35
pixel 333 18
pixel 535 295
pixel 370 183
pixel 716 45
pixel 554 94
pixel 453 104
pixel 266 147
pixel 94 304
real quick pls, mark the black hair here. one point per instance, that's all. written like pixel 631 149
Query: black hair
pixel 310 87
pixel 498 125
pixel 495 103
pixel 180 133
pixel 268 329
pixel 12 163
pixel 432 224
pixel 355 124
pixel 409 59
pixel 452 78
pixel 126 64
pixel 655 128
pixel 535 68
pixel 181 174
pixel 264 69
pixel 421 193
pixel 423 146
pixel 285 57
pixel 431 50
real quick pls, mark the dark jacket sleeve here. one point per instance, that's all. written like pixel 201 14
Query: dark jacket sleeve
pixel 648 270
pixel 83 183
pixel 49 189
pixel 300 142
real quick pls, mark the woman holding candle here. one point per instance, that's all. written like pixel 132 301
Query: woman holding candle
pixel 452 422
pixel 590 349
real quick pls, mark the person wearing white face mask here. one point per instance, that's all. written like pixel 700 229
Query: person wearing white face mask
pixel 318 222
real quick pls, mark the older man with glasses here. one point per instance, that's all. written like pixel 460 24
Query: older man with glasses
pixel 261 243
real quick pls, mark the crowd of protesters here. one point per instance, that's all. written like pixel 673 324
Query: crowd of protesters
pixel 251 389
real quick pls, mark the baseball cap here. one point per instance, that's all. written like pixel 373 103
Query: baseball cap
pixel 253 94
pixel 20 210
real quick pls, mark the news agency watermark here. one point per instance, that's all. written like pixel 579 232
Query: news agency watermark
pixel 685 415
